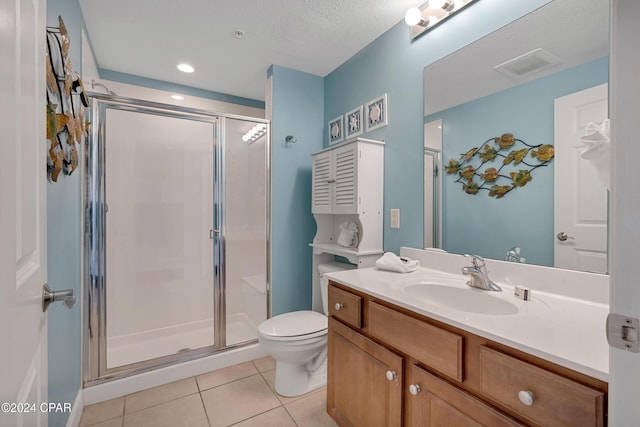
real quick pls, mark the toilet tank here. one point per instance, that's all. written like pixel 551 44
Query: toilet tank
pixel 324 281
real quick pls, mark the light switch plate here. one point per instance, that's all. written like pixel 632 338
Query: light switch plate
pixel 395 218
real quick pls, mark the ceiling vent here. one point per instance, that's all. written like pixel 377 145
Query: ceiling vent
pixel 529 63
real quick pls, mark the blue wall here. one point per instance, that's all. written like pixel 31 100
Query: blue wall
pixel 392 64
pixel 63 248
pixel 487 226
pixel 297 109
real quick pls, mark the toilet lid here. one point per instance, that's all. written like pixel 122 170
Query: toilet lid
pixel 293 324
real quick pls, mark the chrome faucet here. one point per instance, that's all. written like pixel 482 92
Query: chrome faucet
pixel 478 275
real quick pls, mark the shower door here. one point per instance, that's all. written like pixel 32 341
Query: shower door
pixel 176 235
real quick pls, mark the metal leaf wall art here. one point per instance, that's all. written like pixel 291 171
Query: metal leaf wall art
pixel 66 102
pixel 513 171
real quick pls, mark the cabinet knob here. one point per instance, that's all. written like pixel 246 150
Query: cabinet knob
pixel 391 375
pixel 339 306
pixel 414 389
pixel 526 397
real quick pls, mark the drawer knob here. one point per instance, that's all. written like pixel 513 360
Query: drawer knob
pixel 391 375
pixel 526 397
pixel 339 306
pixel 414 389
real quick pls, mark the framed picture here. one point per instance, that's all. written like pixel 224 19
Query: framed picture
pixel 376 113
pixel 336 130
pixel 353 122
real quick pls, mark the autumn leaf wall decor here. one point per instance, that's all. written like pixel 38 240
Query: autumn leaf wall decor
pixel 66 102
pixel 502 166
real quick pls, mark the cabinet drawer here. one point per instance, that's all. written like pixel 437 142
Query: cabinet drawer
pixel 432 401
pixel 429 344
pixel 345 306
pixel 557 401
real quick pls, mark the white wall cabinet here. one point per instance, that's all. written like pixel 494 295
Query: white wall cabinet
pixel 347 186
pixel 335 180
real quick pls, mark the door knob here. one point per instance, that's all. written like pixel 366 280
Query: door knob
pixel 414 389
pixel 49 296
pixel 391 375
pixel 562 236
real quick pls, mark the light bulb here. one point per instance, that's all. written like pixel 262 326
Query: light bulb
pixel 413 16
pixel 177 97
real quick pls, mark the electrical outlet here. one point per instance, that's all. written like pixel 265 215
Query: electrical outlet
pixel 395 218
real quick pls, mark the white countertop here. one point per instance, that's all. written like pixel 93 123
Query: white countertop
pixel 564 330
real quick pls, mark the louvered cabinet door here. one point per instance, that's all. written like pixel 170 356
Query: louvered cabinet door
pixel 322 186
pixel 345 174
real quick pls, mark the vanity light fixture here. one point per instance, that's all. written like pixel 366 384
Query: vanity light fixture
pixel 186 68
pixel 255 132
pixel 433 12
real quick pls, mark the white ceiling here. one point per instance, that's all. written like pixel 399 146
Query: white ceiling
pixel 149 38
pixel 575 31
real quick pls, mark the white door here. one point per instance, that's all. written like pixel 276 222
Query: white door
pixel 624 366
pixel 23 257
pixel 580 231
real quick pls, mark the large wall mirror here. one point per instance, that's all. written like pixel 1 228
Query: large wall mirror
pixel 540 99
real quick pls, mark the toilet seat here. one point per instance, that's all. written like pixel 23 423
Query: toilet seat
pixel 294 326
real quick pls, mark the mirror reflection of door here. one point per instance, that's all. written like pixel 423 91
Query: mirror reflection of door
pixel 580 216
pixel 432 185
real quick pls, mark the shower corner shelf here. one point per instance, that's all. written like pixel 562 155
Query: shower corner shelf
pixel 347 186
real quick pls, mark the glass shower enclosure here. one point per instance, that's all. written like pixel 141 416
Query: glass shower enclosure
pixel 176 234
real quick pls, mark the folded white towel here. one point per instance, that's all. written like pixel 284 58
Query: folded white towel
pixel 392 262
pixel 348 234
pixel 597 144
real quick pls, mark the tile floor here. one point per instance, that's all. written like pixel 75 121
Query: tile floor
pixel 241 395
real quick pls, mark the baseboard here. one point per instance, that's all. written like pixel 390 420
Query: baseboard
pixel 76 411
pixel 135 383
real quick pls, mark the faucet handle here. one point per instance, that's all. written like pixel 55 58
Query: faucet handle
pixel 476 261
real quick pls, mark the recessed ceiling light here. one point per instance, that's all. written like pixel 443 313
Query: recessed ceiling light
pixel 177 97
pixel 186 68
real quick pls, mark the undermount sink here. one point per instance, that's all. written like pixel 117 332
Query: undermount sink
pixel 456 295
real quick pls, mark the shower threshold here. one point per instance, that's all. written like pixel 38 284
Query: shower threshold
pixel 147 345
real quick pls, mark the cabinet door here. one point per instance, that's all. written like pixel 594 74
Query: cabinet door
pixel 432 402
pixel 322 186
pixel 364 380
pixel 345 174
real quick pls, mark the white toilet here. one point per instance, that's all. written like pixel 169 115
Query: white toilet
pixel 298 342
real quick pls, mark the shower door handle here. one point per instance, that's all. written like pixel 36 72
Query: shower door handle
pixel 213 232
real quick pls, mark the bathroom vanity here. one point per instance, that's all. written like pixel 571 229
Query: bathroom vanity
pixel 402 355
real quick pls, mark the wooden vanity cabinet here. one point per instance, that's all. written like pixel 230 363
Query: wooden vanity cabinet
pixel 388 366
